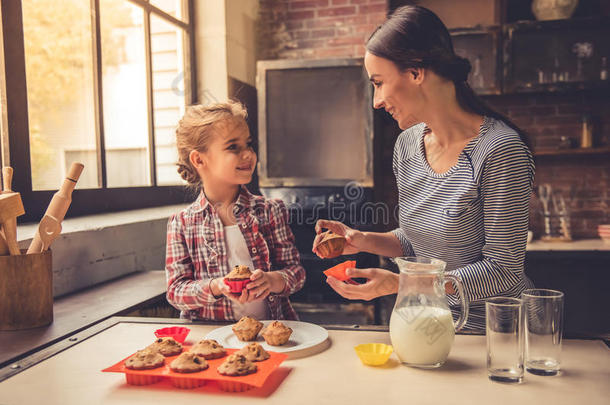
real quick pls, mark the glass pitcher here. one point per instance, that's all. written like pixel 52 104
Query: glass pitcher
pixel 421 326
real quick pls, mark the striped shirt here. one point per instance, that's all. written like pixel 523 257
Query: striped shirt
pixel 197 252
pixel 474 216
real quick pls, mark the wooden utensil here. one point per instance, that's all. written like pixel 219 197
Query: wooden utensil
pixel 50 225
pixel 11 207
pixel 3 245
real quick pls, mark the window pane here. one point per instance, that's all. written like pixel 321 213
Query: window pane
pixel 59 73
pixel 168 66
pixel 124 94
pixel 175 8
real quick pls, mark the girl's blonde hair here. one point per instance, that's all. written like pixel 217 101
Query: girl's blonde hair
pixel 196 129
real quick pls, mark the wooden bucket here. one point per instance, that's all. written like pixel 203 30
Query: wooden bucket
pixel 26 291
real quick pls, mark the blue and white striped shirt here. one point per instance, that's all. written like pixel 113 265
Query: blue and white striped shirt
pixel 474 216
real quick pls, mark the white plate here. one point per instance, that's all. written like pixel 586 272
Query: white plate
pixel 306 339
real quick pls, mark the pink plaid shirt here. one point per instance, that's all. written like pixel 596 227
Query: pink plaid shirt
pixel 197 252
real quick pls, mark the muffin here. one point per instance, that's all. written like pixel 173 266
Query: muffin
pixel 188 363
pixel 208 349
pixel 331 245
pixel 276 333
pixel 145 360
pixel 254 352
pixel 238 278
pixel 246 329
pixel 167 346
pixel 237 364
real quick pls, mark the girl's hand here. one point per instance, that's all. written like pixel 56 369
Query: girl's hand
pixel 260 285
pixel 355 238
pixel 219 285
pixel 379 282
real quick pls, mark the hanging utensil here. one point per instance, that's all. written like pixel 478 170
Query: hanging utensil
pixel 544 194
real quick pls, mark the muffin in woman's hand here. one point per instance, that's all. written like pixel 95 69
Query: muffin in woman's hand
pixel 188 362
pixel 167 346
pixel 144 360
pixel 276 333
pixel 331 245
pixel 254 352
pixel 237 364
pixel 208 349
pixel 238 278
pixel 247 328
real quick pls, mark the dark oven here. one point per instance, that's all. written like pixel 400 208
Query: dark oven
pixel 315 136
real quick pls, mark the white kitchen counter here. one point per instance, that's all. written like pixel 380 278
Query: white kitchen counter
pixel 334 376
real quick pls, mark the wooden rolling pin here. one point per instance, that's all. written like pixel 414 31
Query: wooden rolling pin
pixel 9 226
pixel 3 245
pixel 50 225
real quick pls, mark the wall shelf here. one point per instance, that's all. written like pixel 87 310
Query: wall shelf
pixel 573 151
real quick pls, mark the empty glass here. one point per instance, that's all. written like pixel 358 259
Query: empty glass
pixel 543 330
pixel 504 330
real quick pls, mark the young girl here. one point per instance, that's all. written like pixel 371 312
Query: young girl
pixel 227 226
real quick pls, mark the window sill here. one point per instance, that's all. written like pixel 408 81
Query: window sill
pixel 97 222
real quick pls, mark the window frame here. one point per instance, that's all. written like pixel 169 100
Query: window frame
pixel 16 149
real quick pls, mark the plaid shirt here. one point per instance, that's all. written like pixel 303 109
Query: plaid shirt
pixel 197 252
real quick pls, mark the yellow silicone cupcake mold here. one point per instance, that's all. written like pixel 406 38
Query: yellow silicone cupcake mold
pixel 373 354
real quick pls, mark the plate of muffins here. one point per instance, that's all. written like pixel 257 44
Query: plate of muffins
pixel 294 338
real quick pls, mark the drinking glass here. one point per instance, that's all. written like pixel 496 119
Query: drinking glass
pixel 543 310
pixel 504 330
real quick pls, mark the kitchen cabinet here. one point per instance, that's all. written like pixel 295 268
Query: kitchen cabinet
pixel 537 56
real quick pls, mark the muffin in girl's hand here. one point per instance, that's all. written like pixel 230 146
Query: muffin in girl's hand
pixel 167 346
pixel 238 278
pixel 276 333
pixel 254 352
pixel 208 349
pixel 237 364
pixel 188 362
pixel 144 360
pixel 246 329
pixel 331 245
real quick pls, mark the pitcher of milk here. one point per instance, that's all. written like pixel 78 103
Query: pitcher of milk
pixel 421 326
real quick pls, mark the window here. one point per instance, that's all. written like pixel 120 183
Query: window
pixel 102 82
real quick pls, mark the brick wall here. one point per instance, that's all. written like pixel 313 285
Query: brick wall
pixel 583 179
pixel 290 29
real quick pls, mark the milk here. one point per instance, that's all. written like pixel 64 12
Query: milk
pixel 421 335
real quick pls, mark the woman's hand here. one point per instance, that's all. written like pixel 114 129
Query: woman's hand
pixel 355 238
pixel 379 282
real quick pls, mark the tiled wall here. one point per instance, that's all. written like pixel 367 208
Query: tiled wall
pixel 291 29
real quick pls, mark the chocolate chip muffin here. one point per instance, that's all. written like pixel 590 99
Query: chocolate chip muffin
pixel 237 364
pixel 188 363
pixel 247 328
pixel 238 273
pixel 254 352
pixel 145 360
pixel 208 349
pixel 167 346
pixel 331 245
pixel 276 333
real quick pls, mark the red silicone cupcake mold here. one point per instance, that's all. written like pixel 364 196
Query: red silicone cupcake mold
pixel 179 333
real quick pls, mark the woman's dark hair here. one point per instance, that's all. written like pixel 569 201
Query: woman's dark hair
pixel 414 37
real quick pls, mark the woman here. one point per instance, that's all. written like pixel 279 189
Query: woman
pixel 464 172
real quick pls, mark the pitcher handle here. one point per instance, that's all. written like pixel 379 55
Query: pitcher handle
pixel 459 324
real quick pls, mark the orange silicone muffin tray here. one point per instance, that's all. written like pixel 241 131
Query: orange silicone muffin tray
pixel 193 380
